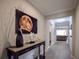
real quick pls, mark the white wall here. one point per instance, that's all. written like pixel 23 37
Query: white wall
pixel 50 28
pixel 7 22
pixel 76 46
pixel 53 33
pixel 47 34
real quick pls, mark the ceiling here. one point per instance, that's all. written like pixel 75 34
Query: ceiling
pixel 49 7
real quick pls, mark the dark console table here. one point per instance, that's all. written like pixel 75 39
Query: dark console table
pixel 15 52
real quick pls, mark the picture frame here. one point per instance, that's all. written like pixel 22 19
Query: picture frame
pixel 25 22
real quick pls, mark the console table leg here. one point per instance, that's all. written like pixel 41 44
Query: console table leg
pixel 15 57
pixel 8 54
pixel 44 51
pixel 39 52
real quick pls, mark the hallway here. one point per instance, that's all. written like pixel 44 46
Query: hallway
pixel 59 50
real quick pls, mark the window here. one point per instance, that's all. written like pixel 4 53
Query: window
pixel 61 32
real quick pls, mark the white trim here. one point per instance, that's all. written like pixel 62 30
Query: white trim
pixel 73 57
pixel 59 15
pixel 60 11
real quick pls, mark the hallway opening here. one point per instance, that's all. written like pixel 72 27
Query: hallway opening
pixel 60 32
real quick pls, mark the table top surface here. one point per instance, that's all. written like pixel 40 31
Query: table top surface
pixel 27 45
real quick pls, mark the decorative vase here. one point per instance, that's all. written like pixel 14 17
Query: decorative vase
pixel 19 39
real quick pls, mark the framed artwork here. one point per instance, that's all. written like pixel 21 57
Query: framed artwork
pixel 25 22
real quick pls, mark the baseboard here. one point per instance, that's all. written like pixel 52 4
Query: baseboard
pixel 73 57
pixel 41 57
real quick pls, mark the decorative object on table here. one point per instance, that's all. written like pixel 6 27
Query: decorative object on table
pixel 26 22
pixel 19 39
pixel 32 38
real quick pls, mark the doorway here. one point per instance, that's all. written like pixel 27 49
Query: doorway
pixel 61 30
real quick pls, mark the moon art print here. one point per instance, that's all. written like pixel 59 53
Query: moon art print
pixel 25 22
